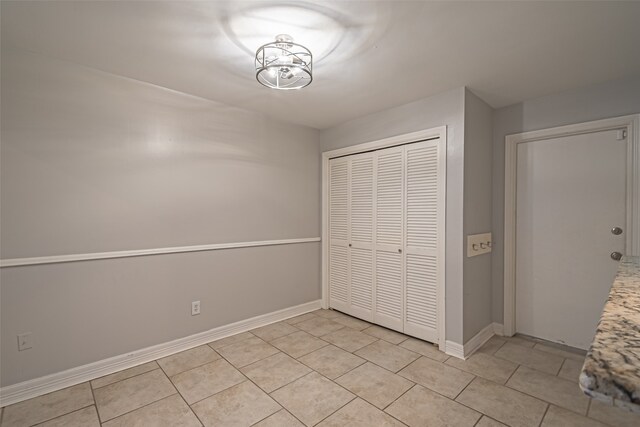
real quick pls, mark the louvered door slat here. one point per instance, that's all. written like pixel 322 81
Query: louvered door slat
pixel 338 200
pixel 362 199
pixel 389 197
pixel 361 282
pixel 422 196
pixel 361 184
pixel 339 274
pixel 422 290
pixel 424 233
pixel 389 288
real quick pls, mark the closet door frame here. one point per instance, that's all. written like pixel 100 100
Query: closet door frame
pixel 433 133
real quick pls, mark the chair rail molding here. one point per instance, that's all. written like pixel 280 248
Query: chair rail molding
pixel 55 259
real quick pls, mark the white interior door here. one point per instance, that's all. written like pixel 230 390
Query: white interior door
pixel 389 285
pixel 339 265
pixel 571 191
pixel 424 241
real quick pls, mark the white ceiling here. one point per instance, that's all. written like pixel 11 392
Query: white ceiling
pixel 369 55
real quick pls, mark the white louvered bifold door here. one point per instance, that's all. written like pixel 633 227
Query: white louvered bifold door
pixel 361 199
pixel 389 275
pixel 424 238
pixel 339 234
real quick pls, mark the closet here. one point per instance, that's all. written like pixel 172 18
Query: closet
pixel 386 236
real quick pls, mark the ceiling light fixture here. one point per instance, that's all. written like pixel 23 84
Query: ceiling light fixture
pixel 283 64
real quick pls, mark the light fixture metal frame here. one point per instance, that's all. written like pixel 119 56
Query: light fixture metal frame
pixel 306 67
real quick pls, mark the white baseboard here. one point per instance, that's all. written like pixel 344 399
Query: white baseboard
pixel 454 349
pixel 39 386
pixel 464 351
pixel 478 340
pixel 498 329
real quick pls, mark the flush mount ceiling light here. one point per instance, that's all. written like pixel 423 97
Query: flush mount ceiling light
pixel 283 64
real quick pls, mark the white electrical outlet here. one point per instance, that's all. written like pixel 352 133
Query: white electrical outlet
pixel 25 341
pixel 195 308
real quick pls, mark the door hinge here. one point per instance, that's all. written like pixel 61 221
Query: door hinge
pixel 622 134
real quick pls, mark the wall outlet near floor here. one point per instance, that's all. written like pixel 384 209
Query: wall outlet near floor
pixel 195 308
pixel 25 341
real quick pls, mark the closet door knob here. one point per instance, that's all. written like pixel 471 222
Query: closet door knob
pixel 399 251
pixel 349 244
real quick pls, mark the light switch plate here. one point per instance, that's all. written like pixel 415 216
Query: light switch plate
pixel 478 244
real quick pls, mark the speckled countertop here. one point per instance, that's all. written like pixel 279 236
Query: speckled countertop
pixel 611 370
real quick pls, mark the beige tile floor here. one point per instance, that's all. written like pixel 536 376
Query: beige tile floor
pixel 328 369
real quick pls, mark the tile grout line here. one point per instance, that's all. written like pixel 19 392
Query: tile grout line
pixel 262 419
pixel 247 379
pixel 58 416
pixel 220 391
pixel 190 408
pixel 595 419
pixel 134 410
pixel 143 406
pixel 538 398
pixel 512 374
pixel 284 385
pixel 182 396
pixel 124 379
pixel 333 380
pixel 190 369
pixel 355 396
pixel 258 360
pixel 564 360
pixel 281 336
pixel 371 403
pixel 395 400
pixel 296 358
pixel 458 402
pixel 95 402
pixel 227 345
pixel 465 387
pixel 544 415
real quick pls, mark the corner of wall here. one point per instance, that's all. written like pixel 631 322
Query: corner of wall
pixel 478 171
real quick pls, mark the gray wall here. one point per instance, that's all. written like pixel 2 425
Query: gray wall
pixel 94 162
pixel 478 142
pixel 439 110
pixel 610 99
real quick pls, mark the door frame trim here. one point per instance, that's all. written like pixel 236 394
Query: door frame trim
pixel 632 125
pixel 433 133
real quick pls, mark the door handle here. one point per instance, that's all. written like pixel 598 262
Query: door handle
pixel 399 251
pixel 616 231
pixel 616 256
